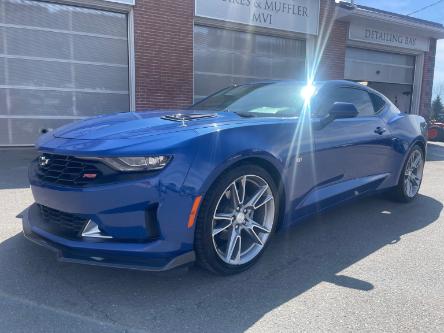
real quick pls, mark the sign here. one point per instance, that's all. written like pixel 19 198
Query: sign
pixel 387 36
pixel 125 2
pixel 290 15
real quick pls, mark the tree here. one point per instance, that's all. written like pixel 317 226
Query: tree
pixel 437 107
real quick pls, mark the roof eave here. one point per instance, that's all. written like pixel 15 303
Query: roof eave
pixel 428 30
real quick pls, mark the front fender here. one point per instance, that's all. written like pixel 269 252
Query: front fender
pixel 235 160
pixel 219 151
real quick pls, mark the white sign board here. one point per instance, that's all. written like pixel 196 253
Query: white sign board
pixel 290 15
pixel 388 36
pixel 125 2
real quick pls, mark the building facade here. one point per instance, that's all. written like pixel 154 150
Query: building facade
pixel 66 60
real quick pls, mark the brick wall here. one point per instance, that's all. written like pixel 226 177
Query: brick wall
pixel 427 80
pixel 331 44
pixel 163 34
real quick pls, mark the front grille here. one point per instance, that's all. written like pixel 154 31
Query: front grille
pixel 61 223
pixel 67 170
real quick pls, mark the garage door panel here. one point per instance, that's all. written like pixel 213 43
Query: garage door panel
pixel 211 38
pixel 2 47
pixel 96 103
pixel 3 109
pixel 252 66
pixel 35 43
pixel 223 57
pixel 101 23
pixel 262 45
pixel 404 75
pixel 61 62
pixel 99 49
pixel 101 77
pixel 262 67
pixel 207 84
pixel 37 102
pixel 381 57
pixel 287 48
pixel 250 43
pixel 377 66
pixel 2 71
pixel 35 14
pixel 25 131
pixel 36 73
pixel 288 68
pixel 212 61
pixel 4 132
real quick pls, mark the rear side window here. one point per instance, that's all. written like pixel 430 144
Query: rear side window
pixel 359 98
pixel 378 102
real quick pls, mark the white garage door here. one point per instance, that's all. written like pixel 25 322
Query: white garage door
pixel 389 73
pixel 58 63
pixel 376 66
pixel 224 57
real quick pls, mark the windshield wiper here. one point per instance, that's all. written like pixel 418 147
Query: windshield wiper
pixel 243 114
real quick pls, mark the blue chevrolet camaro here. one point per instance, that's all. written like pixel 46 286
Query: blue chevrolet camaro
pixel 212 183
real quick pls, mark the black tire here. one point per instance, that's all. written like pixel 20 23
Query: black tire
pixel 207 256
pixel 399 193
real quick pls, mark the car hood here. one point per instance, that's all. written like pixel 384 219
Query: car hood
pixel 131 125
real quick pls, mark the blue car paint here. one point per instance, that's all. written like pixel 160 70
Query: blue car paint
pixel 318 168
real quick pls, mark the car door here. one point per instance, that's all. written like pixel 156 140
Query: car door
pixel 349 152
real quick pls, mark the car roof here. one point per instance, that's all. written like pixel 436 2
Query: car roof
pixel 318 84
pixel 327 84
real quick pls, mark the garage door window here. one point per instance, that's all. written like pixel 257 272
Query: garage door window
pixel 226 57
pixel 58 63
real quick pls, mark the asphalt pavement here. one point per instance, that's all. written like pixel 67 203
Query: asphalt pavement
pixel 369 266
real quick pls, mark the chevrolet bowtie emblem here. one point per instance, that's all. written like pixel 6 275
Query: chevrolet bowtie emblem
pixel 43 161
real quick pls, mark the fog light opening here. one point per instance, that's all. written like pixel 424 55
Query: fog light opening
pixel 92 230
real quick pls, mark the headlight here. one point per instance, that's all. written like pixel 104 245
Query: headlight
pixel 138 163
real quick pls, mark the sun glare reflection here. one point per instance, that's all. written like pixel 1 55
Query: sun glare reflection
pixel 308 91
pixel 302 145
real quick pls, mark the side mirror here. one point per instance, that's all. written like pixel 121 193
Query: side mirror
pixel 341 110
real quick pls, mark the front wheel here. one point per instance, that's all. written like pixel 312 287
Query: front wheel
pixel 236 220
pixel 411 176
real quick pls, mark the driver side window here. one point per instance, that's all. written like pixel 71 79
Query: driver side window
pixel 359 98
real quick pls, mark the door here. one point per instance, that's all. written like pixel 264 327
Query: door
pixel 355 152
pixel 391 74
pixel 224 57
pixel 58 63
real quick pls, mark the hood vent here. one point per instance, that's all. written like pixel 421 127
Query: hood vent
pixel 188 116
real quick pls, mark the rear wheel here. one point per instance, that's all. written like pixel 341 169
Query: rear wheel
pixel 236 220
pixel 411 176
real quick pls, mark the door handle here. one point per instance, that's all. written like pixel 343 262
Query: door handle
pixel 380 130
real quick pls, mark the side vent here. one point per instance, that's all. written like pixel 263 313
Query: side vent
pixel 151 222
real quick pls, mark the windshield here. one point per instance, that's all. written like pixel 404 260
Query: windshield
pixel 283 99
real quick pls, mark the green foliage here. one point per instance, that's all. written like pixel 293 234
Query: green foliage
pixel 437 108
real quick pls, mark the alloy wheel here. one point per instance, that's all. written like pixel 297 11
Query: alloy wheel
pixel 413 173
pixel 243 219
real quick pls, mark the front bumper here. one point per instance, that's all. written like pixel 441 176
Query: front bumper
pixel 140 256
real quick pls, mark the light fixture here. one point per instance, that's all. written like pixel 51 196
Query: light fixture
pixel 129 164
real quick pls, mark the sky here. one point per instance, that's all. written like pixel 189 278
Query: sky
pixel 434 13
